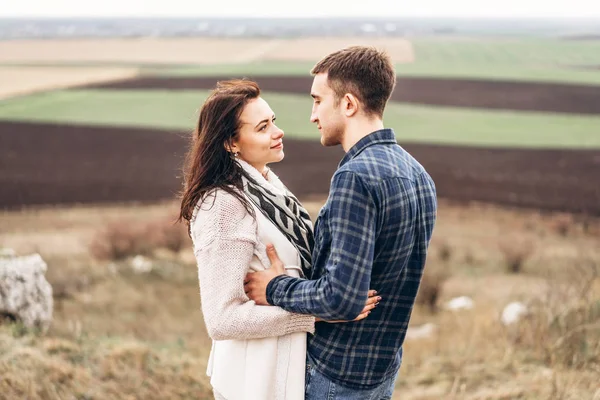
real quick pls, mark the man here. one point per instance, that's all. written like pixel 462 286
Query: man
pixel 373 232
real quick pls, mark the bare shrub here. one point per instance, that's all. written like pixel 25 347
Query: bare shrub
pixel 431 286
pixel 469 258
pixel 122 239
pixel 441 248
pixel 167 234
pixel 591 227
pixel 445 252
pixel 119 240
pixel 516 253
pixel 563 224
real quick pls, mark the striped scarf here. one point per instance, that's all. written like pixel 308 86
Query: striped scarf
pixel 286 212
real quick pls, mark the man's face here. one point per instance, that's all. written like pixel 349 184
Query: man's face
pixel 327 112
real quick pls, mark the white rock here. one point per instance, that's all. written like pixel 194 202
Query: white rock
pixel 460 303
pixel 24 291
pixel 513 313
pixel 141 264
pixel 421 332
pixel 113 269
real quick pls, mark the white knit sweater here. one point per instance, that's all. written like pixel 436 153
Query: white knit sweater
pixel 258 352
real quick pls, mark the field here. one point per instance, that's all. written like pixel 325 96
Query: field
pixel 120 333
pixel 126 51
pixel 520 96
pixel 18 81
pixel 66 164
pixel 509 128
pixel 516 59
pixel 170 109
pixel 520 59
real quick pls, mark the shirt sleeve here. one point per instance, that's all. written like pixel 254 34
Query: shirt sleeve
pixel 224 239
pixel 341 292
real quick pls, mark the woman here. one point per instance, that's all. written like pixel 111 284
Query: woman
pixel 235 205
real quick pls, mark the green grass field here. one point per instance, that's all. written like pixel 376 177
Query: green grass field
pixel 455 70
pixel 545 60
pixel 177 110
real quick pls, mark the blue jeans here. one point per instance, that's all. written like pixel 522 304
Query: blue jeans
pixel 319 387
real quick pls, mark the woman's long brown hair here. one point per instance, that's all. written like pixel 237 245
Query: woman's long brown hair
pixel 209 165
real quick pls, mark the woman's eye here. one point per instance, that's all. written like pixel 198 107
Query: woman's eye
pixel 262 128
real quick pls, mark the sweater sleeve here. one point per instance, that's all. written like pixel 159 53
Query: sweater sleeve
pixel 224 236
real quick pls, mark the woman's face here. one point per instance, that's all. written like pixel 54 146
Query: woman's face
pixel 259 141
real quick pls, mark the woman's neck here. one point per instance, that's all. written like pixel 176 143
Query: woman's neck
pixel 261 168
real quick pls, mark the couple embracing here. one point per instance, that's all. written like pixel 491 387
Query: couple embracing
pixel 295 312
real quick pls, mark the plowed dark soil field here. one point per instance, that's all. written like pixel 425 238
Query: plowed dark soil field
pixel 44 164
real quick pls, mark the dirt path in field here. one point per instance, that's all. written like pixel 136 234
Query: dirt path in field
pixel 18 81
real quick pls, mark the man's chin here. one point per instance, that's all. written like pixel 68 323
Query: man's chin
pixel 328 142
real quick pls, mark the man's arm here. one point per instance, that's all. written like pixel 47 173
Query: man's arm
pixel 340 294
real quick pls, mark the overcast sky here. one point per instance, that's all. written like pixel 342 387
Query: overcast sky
pixel 300 8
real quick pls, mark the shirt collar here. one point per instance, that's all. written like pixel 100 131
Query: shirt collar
pixel 380 136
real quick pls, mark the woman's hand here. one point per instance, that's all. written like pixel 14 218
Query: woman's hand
pixel 371 303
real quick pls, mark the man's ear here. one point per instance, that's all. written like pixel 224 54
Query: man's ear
pixel 350 104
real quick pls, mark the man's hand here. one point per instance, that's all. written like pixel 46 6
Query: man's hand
pixel 255 284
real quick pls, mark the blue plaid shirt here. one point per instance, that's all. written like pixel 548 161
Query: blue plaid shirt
pixel 372 233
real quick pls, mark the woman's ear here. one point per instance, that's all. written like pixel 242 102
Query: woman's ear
pixel 232 147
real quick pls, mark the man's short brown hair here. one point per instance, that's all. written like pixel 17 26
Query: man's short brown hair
pixel 365 72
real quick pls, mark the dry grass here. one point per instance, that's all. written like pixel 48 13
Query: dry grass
pixel 121 334
pixel 117 334
pixel 68 231
pixel 564 323
pixel 51 368
pixel 550 354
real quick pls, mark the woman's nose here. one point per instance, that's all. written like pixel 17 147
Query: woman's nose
pixel 278 133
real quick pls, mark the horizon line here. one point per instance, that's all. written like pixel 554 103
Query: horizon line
pixel 215 17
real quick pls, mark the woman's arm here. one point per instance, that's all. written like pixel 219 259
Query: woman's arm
pixel 224 237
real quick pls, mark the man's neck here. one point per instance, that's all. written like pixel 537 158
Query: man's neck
pixel 358 130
